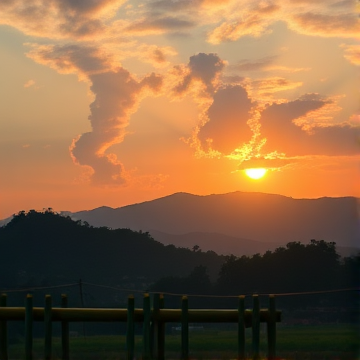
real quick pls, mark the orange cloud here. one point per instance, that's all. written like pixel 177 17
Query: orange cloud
pixel 253 25
pixel 117 95
pixel 333 25
pixel 29 83
pixel 352 53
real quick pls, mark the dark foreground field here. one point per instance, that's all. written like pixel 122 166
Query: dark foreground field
pixel 305 342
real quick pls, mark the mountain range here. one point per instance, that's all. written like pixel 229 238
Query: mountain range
pixel 237 222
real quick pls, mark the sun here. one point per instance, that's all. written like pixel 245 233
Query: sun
pixel 255 173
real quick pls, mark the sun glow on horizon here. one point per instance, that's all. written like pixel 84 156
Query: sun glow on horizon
pixel 255 173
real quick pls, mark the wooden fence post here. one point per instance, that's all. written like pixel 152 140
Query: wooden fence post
pixel 48 327
pixel 28 327
pixel 157 335
pixel 161 332
pixel 241 328
pixel 146 328
pixel 3 332
pixel 184 328
pixel 65 331
pixel 130 329
pixel 271 328
pixel 256 328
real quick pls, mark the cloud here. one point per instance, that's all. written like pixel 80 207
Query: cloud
pixel 155 55
pixel 253 65
pixel 73 58
pixel 263 89
pixel 59 19
pixel 316 18
pixel 160 25
pixel 327 25
pixel 253 25
pixel 285 136
pixel 262 64
pixel 226 128
pixel 29 83
pixel 352 53
pixel 203 68
pixel 117 95
pixel 263 162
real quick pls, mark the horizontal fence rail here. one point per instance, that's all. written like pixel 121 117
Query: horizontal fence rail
pixel 153 320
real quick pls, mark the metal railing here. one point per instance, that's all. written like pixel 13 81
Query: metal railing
pixel 153 319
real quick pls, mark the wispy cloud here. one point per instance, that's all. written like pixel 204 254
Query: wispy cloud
pixel 352 53
pixel 29 84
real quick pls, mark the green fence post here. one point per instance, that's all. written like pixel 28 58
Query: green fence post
pixel 146 328
pixel 241 328
pixel 184 328
pixel 64 331
pixel 271 328
pixel 256 328
pixel 28 327
pixel 48 327
pixel 130 329
pixel 3 332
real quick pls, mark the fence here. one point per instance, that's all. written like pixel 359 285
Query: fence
pixel 153 319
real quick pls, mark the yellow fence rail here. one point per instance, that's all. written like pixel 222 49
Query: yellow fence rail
pixel 153 320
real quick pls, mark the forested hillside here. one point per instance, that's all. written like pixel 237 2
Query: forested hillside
pixel 46 249
pixel 40 248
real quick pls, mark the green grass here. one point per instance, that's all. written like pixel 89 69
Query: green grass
pixel 306 342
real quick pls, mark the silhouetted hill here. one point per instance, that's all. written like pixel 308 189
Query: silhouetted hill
pixel 220 243
pixel 39 248
pixel 256 216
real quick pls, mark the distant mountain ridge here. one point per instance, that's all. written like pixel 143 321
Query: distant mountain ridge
pixel 259 217
pixel 219 243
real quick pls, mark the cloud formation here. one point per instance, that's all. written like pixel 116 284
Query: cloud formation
pixel 117 94
pixel 226 128
pixel 333 25
pixel 352 53
pixel 204 69
pixel 83 19
pixel 285 136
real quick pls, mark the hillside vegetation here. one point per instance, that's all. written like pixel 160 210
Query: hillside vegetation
pixel 45 248
pixel 39 248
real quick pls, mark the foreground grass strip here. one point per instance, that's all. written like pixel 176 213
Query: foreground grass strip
pixel 312 342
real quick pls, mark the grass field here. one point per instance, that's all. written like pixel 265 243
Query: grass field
pixel 306 342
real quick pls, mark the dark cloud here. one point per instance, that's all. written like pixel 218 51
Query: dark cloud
pixel 71 58
pixel 227 116
pixel 203 67
pixel 58 18
pixel 284 136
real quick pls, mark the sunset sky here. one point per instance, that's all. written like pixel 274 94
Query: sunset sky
pixel 113 102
